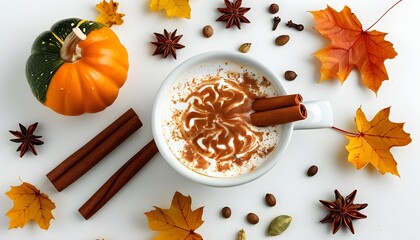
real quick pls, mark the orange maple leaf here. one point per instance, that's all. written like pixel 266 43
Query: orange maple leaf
pixel 351 47
pixel 178 222
pixel 108 13
pixel 373 143
pixel 29 204
pixel 173 8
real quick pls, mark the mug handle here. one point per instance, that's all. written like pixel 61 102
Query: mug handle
pixel 319 115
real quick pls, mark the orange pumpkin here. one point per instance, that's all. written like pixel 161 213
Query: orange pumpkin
pixel 77 67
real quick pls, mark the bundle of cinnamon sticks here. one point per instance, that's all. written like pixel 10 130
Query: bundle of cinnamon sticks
pixel 277 110
pixel 85 158
pixel 81 161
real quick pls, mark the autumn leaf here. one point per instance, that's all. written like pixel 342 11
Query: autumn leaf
pixel 174 8
pixel 373 142
pixel 178 222
pixel 351 47
pixel 108 13
pixel 29 204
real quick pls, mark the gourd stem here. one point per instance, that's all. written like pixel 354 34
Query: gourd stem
pixel 70 51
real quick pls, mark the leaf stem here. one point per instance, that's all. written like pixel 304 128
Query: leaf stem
pixel 344 131
pixel 395 4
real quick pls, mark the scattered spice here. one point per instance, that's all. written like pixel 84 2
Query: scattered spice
pixel 207 31
pixel 252 218
pixel 226 212
pixel 282 40
pixel 274 8
pixel 241 235
pixel 290 75
pixel 233 14
pixel 27 139
pixel 312 170
pixel 276 21
pixel 245 47
pixel 343 211
pixel 278 225
pixel 270 199
pixel 298 27
pixel 167 43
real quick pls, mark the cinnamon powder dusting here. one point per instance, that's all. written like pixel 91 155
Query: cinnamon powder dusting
pixel 211 128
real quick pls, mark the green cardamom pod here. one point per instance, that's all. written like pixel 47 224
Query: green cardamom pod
pixel 245 47
pixel 241 235
pixel 279 224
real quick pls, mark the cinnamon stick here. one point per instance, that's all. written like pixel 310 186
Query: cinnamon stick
pixel 118 180
pixel 94 151
pixel 278 116
pixel 264 104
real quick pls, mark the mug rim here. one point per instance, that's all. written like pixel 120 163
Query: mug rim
pixel 157 128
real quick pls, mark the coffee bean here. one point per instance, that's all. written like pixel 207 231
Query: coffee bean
pixel 252 218
pixel 226 212
pixel 270 199
pixel 207 31
pixel 282 40
pixel 312 170
pixel 274 8
pixel 290 75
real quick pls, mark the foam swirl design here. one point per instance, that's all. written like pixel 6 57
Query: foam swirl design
pixel 215 125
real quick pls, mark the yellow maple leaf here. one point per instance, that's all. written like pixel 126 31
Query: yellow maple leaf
pixel 174 8
pixel 178 222
pixel 372 144
pixel 29 204
pixel 108 13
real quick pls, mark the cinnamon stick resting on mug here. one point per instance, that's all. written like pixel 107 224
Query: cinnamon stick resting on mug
pixel 277 110
pixel 263 104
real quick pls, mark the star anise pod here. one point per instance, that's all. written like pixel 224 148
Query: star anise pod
pixel 167 43
pixel 233 14
pixel 343 211
pixel 27 139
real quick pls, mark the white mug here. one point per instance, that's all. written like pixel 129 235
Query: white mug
pixel 319 115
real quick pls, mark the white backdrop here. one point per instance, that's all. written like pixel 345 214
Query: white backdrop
pixel 393 202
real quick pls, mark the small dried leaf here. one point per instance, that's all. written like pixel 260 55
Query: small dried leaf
pixel 174 8
pixel 108 13
pixel 177 222
pixel 29 204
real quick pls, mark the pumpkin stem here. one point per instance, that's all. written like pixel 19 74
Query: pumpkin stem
pixel 70 51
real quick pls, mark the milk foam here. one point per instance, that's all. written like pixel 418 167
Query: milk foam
pixel 176 105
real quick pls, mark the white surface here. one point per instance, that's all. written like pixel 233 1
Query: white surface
pixel 393 202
